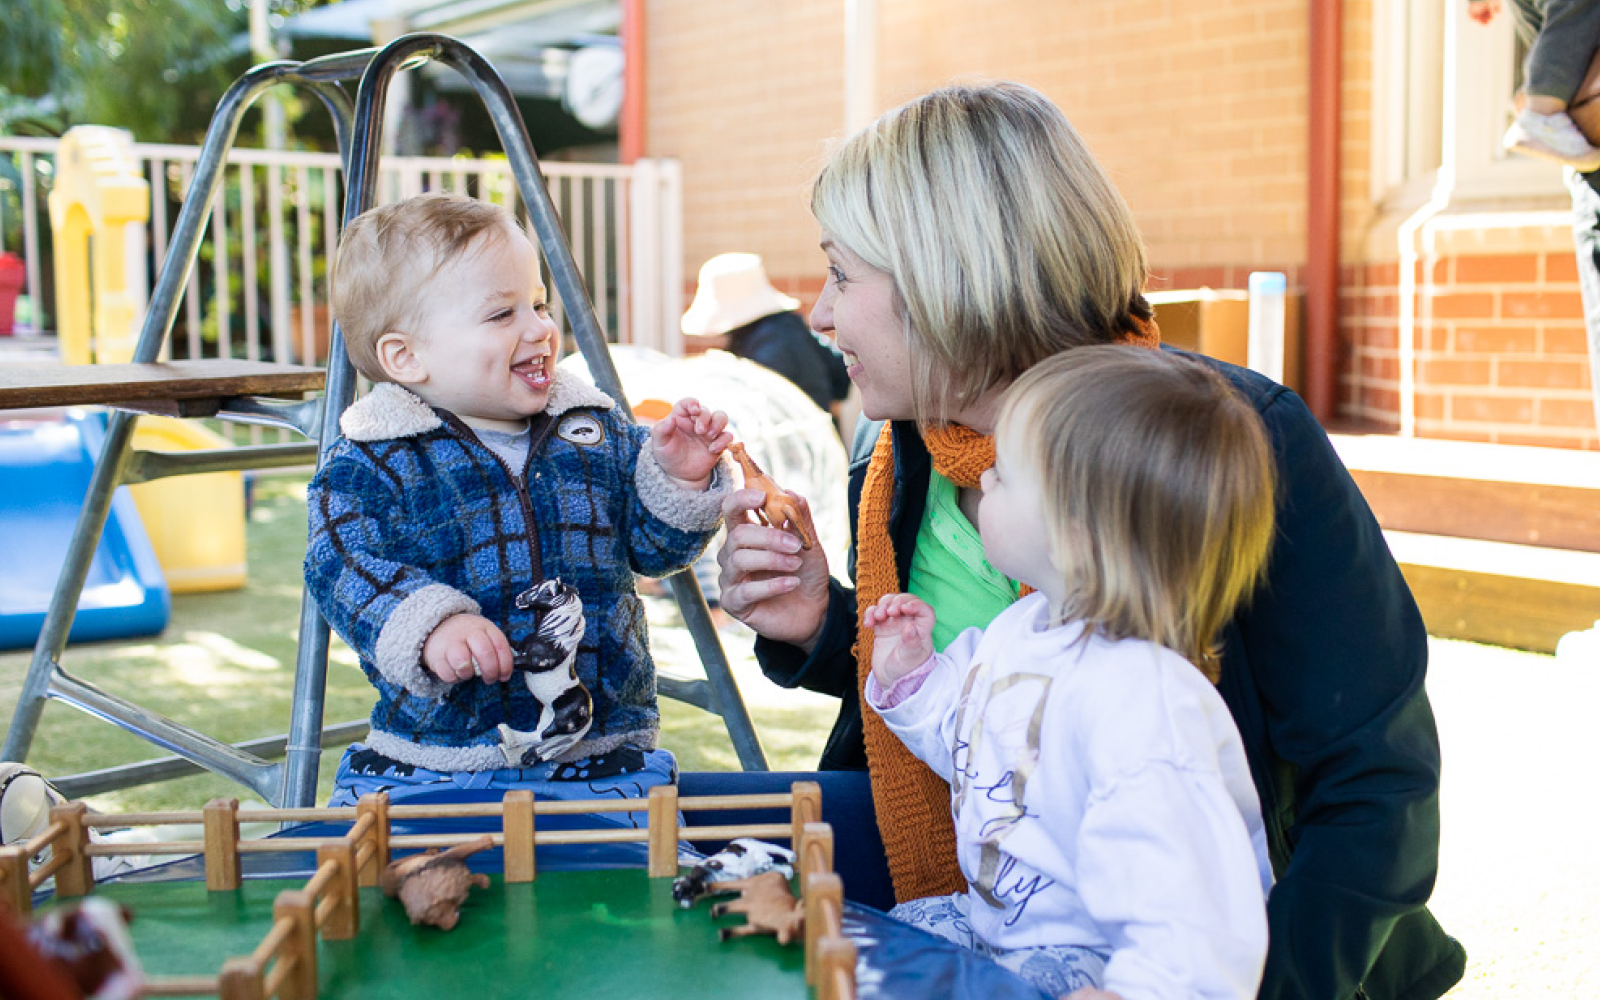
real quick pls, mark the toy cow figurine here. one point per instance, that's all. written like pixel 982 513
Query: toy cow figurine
pixel 768 905
pixel 741 859
pixel 432 886
pixel 546 660
pixel 779 509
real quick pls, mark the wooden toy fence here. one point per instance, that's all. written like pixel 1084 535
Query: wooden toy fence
pixel 284 965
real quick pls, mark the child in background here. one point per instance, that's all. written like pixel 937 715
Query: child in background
pixel 472 471
pixel 1561 37
pixel 1106 820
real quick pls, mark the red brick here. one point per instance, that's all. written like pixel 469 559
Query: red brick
pixel 1541 374
pixel 1430 405
pixel 1491 409
pixel 1577 413
pixel 1448 371
pixel 1533 440
pixel 1561 339
pixel 1496 339
pixel 1560 267
pixel 1463 305
pixel 1380 368
pixel 1382 274
pixel 1520 268
pixel 1518 305
pixel 1450 432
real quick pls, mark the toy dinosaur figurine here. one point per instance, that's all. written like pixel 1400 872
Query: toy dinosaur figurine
pixel 768 905
pixel 780 509
pixel 432 886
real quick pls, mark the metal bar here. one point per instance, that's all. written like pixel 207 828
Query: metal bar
pixel 245 768
pixel 148 772
pixel 145 466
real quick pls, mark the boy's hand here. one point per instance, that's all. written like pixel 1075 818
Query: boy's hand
pixel 1483 11
pixel 465 646
pixel 902 629
pixel 688 442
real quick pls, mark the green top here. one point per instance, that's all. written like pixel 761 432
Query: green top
pixel 596 935
pixel 948 569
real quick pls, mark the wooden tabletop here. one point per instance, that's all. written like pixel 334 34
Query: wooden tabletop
pixel 154 387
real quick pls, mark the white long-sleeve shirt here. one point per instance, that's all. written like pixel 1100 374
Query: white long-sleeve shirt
pixel 1101 798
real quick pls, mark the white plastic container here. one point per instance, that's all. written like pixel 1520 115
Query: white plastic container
pixel 1268 290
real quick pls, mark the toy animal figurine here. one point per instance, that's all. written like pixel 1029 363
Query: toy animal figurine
pixel 768 905
pixel 779 509
pixel 432 886
pixel 546 660
pixel 88 946
pixel 741 859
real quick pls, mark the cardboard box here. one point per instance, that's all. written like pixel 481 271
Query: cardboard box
pixel 1216 322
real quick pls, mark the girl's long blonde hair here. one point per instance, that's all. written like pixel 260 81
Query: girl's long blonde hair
pixel 1158 491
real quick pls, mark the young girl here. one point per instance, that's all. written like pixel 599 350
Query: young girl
pixel 1105 817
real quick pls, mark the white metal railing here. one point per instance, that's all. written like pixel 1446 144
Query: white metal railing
pixel 258 290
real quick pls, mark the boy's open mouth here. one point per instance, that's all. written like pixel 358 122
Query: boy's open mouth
pixel 534 371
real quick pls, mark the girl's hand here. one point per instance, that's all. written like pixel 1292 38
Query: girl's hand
pixel 768 581
pixel 1483 11
pixel 1090 993
pixel 464 646
pixel 688 442
pixel 902 628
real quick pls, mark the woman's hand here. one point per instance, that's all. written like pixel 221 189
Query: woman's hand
pixel 768 581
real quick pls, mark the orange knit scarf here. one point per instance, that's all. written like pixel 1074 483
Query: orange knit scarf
pixel 913 802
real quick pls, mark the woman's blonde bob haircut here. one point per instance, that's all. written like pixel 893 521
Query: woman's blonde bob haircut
pixel 1006 241
pixel 1158 487
pixel 388 261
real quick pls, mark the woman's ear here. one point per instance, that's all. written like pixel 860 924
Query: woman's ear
pixel 398 360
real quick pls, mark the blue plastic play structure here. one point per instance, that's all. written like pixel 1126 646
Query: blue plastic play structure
pixel 45 464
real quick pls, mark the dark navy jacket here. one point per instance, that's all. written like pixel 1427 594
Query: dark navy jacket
pixel 1323 672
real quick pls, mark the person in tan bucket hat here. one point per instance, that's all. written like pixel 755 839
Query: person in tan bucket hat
pixel 736 308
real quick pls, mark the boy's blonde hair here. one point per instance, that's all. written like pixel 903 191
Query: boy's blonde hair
pixel 1158 490
pixel 1006 241
pixel 387 259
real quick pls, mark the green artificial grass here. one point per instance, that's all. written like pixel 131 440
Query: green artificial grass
pixel 225 666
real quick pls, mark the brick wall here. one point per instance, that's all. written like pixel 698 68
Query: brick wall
pixel 1501 352
pixel 1198 111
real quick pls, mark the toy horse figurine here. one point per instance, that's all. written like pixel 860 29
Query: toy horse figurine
pixel 433 886
pixel 779 509
pixel 546 659
pixel 768 905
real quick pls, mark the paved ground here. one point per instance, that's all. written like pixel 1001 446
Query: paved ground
pixel 1519 878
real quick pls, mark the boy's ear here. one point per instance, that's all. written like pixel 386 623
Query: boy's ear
pixel 398 360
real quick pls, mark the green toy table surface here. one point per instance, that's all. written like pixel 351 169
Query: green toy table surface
pixel 594 934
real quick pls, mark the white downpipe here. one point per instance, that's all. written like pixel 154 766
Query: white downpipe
pixel 860 63
pixel 1443 187
pixel 671 250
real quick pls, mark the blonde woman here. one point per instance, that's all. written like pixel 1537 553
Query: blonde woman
pixel 970 235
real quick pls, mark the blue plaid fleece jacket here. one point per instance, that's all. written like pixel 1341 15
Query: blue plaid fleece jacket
pixel 413 519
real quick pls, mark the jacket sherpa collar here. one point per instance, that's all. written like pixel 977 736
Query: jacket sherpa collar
pixel 390 411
